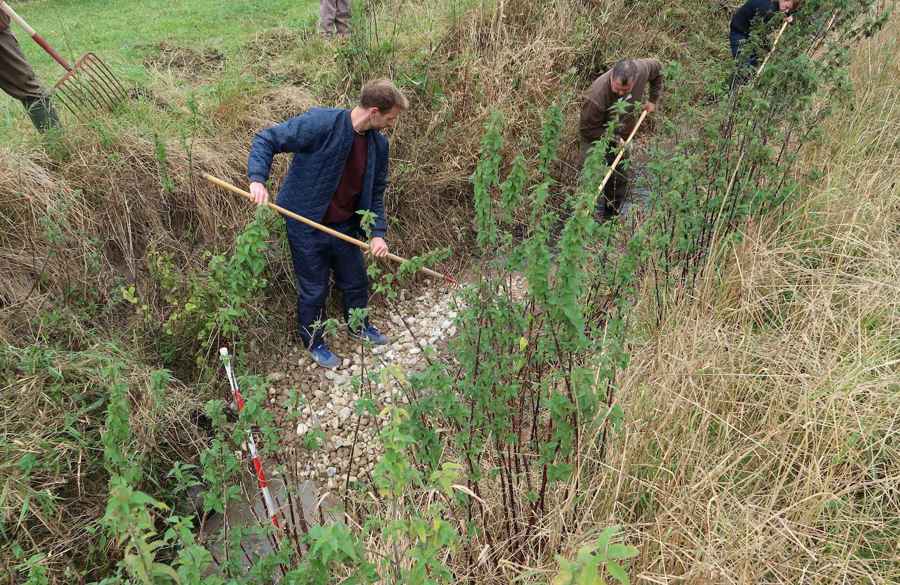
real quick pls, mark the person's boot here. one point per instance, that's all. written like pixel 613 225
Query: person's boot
pixel 371 334
pixel 343 30
pixel 323 356
pixel 42 113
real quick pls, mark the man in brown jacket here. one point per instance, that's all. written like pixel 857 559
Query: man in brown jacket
pixel 18 80
pixel 627 80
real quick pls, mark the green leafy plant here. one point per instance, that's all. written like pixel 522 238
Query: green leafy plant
pixel 206 308
pixel 594 561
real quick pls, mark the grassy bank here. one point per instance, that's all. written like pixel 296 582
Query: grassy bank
pixel 143 41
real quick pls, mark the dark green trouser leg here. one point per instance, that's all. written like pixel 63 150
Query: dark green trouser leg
pixel 41 112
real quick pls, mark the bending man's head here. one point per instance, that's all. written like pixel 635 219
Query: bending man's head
pixel 788 5
pixel 623 74
pixel 384 102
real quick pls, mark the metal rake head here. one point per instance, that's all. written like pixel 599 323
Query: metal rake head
pixel 89 86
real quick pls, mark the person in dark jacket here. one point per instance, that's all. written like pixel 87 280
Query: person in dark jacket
pixel 340 166
pixel 18 80
pixel 747 16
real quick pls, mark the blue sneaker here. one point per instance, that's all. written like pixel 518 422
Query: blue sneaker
pixel 371 334
pixel 323 356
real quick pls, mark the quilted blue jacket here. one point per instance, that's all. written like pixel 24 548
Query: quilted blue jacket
pixel 320 140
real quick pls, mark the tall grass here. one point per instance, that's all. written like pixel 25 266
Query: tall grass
pixel 53 405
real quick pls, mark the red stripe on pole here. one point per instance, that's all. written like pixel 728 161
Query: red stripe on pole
pixel 260 474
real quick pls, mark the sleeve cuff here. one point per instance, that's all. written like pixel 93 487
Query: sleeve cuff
pixel 257 179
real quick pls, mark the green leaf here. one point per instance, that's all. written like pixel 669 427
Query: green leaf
pixel 160 569
pixel 618 573
pixel 621 551
pixel 605 537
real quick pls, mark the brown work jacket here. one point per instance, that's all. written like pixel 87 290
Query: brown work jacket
pixel 596 114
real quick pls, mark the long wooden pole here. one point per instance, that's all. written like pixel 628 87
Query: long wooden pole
pixel 229 187
pixel 772 50
pixel 619 156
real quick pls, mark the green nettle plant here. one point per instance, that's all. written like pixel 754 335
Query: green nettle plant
pixel 166 182
pixel 594 560
pixel 131 515
pixel 203 310
pixel 36 574
pixel 531 383
pixel 117 456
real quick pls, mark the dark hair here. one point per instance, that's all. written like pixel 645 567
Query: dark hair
pixel 382 94
pixel 624 71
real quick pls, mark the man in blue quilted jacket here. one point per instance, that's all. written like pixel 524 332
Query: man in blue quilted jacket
pixel 340 166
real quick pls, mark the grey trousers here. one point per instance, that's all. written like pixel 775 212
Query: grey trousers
pixel 334 14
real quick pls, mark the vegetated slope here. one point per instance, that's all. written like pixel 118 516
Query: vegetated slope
pixel 81 252
pixel 124 196
pixel 762 446
pixel 108 234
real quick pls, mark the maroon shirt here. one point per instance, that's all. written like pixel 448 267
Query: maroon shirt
pixel 343 202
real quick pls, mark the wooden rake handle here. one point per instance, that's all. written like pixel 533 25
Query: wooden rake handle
pixel 618 158
pixel 359 244
pixel 34 35
pixel 774 44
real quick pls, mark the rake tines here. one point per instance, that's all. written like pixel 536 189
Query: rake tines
pixel 89 85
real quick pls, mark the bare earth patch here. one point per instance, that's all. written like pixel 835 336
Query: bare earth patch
pixel 184 61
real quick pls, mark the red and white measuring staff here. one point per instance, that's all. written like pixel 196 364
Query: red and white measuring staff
pixel 257 462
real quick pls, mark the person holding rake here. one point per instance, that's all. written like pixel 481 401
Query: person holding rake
pixel 628 80
pixel 17 79
pixel 339 167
